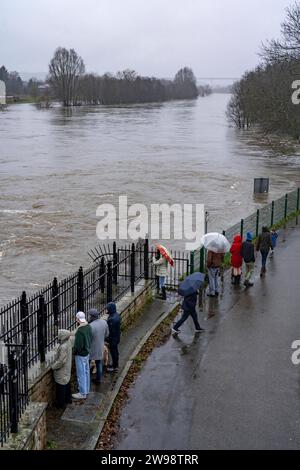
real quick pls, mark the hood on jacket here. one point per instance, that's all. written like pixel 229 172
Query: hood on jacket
pixel 237 239
pixel 93 314
pixel 63 335
pixel 111 308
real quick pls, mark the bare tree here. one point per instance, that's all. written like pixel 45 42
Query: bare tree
pixel 65 70
pixel 288 47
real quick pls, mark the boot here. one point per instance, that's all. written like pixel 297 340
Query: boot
pixel 238 280
pixel 163 293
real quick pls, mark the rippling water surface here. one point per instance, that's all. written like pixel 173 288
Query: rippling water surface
pixel 57 166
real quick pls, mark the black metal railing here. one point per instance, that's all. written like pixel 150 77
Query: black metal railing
pixel 272 215
pixel 34 321
pixel 13 390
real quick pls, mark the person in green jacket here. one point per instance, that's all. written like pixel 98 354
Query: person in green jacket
pixel 82 348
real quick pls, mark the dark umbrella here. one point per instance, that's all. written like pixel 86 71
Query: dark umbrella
pixel 191 284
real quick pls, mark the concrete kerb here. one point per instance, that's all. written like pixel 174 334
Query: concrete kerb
pixel 92 442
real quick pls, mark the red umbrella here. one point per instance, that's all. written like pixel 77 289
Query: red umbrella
pixel 165 253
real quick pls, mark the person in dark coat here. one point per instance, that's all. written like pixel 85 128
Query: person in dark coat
pixel 100 331
pixel 114 326
pixel 189 309
pixel 248 254
pixel 264 245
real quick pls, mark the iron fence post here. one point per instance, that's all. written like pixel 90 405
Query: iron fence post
pixel 41 320
pixel 24 318
pixel 192 262
pixel 80 299
pixel 55 302
pixel 115 262
pixel 109 283
pixel 242 227
pixel 146 259
pixel 272 213
pixel 13 391
pixel 2 371
pixel 286 206
pixel 202 260
pixel 132 268
pixel 257 222
pixel 102 275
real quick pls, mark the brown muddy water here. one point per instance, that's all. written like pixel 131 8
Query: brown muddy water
pixel 57 166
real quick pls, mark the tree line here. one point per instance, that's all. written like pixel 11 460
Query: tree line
pixel 69 83
pixel 72 86
pixel 263 97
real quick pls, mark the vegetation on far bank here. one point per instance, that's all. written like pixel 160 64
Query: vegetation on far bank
pixel 68 83
pixel 263 97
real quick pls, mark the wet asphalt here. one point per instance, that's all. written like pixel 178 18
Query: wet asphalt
pixel 235 386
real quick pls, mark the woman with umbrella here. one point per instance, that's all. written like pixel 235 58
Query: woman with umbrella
pixel 216 245
pixel 161 262
pixel 189 290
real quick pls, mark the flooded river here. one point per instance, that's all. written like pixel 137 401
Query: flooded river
pixel 57 166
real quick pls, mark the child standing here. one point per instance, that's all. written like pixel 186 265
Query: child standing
pixel 236 260
pixel 274 236
pixel 248 255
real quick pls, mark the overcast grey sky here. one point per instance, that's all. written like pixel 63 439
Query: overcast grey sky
pixel 154 37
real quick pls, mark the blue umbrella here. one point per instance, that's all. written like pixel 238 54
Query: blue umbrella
pixel 191 284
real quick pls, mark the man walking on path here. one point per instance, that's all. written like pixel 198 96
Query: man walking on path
pixel 100 331
pixel 114 325
pixel 248 254
pixel 264 245
pixel 82 348
pixel 214 263
pixel 189 309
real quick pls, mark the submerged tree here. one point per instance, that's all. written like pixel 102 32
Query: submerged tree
pixel 65 70
pixel 264 96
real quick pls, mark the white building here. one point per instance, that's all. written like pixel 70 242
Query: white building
pixel 2 93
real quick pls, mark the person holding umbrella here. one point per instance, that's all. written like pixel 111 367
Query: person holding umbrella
pixel 161 261
pixel 189 290
pixel 216 245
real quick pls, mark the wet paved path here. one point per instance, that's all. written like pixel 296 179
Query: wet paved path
pixel 235 386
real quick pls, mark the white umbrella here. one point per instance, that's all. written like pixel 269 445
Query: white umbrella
pixel 215 242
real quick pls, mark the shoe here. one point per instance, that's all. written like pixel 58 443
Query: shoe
pixel 200 331
pixel 78 396
pixel 217 294
pixel 210 295
pixel 250 284
pixel 112 369
pixel 175 332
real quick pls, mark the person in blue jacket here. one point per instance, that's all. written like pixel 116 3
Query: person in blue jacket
pixel 274 236
pixel 189 309
pixel 114 326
